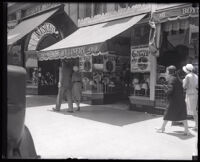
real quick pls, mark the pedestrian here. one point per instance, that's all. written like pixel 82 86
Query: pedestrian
pixel 65 86
pixel 190 84
pixel 176 108
pixel 77 86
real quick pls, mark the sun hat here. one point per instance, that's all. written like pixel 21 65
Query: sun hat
pixel 188 68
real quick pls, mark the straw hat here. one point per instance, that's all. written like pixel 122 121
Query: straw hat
pixel 188 68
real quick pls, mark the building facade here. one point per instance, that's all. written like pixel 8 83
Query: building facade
pixel 141 50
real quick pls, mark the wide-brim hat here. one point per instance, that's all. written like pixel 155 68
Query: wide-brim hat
pixel 188 68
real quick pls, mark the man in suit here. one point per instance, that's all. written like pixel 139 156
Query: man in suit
pixel 65 85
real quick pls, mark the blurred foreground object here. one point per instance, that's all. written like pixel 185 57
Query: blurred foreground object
pixel 19 141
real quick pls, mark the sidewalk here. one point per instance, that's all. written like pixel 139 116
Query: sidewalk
pixel 103 132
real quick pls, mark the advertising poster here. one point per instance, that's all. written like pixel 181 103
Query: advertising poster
pixel 140 61
pixel 85 64
pixel 109 63
pixel 16 55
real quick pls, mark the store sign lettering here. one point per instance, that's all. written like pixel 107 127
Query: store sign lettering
pixel 47 28
pixel 80 51
pixel 140 59
pixel 140 53
pixel 190 10
pixel 183 11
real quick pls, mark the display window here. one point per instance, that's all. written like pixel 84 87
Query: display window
pixel 104 74
pixel 140 84
pixel 32 77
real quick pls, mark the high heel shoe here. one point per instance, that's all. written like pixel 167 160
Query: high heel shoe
pixel 186 133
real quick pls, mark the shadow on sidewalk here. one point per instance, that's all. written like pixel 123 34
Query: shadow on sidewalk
pixel 40 100
pixel 180 135
pixel 109 115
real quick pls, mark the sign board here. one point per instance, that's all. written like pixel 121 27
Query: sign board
pixel 15 55
pixel 181 11
pixel 109 63
pixel 85 64
pixel 140 60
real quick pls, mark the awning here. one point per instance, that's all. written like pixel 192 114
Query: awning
pixel 88 40
pixel 26 26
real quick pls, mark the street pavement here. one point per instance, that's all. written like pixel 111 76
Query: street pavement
pixel 104 132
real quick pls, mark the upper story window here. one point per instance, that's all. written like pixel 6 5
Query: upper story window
pixel 99 8
pixel 88 10
pixel 122 5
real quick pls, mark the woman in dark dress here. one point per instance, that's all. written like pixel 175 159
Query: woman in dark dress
pixel 176 108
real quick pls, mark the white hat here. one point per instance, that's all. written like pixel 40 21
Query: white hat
pixel 188 68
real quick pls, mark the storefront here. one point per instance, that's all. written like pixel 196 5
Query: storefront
pixel 103 51
pixel 42 76
pixel 179 44
pixel 176 43
pixel 36 32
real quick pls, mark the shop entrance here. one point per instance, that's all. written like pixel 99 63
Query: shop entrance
pixel 48 71
pixel 179 47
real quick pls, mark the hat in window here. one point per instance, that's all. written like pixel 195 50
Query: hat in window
pixel 188 68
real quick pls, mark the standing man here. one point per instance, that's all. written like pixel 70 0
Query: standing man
pixel 65 85
pixel 190 84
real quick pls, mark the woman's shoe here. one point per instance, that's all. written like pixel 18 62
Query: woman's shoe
pixel 160 130
pixel 54 109
pixel 186 133
pixel 195 128
pixel 70 111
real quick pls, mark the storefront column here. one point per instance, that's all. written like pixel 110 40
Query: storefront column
pixel 153 59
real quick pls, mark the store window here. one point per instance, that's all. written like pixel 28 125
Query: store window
pixel 140 84
pixel 140 71
pixel 88 10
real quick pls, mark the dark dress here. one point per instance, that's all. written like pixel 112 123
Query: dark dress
pixel 176 108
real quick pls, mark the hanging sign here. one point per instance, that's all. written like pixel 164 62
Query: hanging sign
pixel 140 61
pixel 85 64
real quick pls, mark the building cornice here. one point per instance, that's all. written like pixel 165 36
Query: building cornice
pixel 137 9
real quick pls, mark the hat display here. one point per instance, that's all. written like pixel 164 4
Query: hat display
pixel 188 68
pixel 171 69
